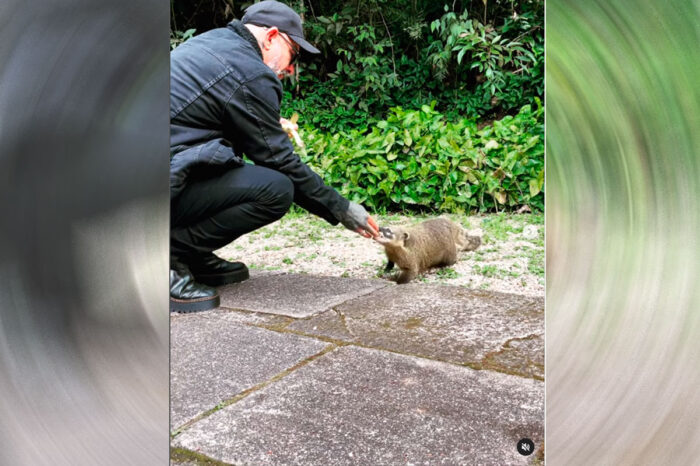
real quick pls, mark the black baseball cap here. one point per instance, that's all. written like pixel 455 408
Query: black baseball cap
pixel 270 13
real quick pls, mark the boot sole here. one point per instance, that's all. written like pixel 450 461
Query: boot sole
pixel 194 305
pixel 236 276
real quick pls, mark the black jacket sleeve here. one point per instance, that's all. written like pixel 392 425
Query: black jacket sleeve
pixel 252 121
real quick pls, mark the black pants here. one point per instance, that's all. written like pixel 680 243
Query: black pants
pixel 214 210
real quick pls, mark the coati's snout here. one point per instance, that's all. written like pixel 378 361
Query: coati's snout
pixel 387 236
pixel 386 232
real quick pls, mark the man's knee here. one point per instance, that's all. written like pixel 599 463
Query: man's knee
pixel 279 194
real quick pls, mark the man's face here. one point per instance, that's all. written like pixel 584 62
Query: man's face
pixel 282 53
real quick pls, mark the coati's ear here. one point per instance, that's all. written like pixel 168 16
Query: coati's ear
pixel 406 237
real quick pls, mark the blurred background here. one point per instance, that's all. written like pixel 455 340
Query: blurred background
pixel 83 232
pixel 622 219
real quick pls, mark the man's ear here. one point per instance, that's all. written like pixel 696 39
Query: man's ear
pixel 272 32
pixel 269 35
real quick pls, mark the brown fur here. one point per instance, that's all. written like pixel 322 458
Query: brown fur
pixel 431 243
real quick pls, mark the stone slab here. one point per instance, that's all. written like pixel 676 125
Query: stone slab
pixel 257 319
pixel 213 358
pixel 294 295
pixel 362 406
pixel 480 328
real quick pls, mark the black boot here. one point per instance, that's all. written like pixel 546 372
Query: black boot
pixel 186 295
pixel 214 271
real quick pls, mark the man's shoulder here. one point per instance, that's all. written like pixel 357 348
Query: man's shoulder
pixel 216 41
pixel 225 50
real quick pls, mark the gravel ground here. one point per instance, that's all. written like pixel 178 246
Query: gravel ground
pixel 510 259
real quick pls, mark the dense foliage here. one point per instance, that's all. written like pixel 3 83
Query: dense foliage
pixel 417 159
pixel 470 69
pixel 407 82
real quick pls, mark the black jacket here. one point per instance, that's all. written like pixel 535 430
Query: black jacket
pixel 225 103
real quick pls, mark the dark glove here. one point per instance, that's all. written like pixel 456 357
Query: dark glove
pixel 357 219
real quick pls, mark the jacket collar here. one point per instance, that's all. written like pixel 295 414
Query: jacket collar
pixel 240 29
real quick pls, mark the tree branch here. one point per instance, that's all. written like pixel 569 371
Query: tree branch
pixel 391 41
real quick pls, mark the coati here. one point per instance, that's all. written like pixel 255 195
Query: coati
pixel 430 243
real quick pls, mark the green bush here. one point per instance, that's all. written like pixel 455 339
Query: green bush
pixel 501 65
pixel 474 62
pixel 416 159
pixel 470 68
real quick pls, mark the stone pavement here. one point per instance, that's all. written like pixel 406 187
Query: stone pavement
pixel 307 370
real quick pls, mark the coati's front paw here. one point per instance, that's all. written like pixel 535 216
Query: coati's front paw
pixel 406 276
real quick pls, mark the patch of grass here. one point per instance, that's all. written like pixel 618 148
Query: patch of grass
pixel 535 261
pixel 498 226
pixel 314 236
pixel 272 248
pixel 535 268
pixel 536 219
pixel 447 273
pixel 287 261
pixel 486 270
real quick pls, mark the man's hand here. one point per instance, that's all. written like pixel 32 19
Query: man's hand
pixel 357 219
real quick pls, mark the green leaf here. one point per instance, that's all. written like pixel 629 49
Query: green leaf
pixel 407 138
pixel 460 55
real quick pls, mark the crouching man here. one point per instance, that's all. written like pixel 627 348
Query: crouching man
pixel 225 94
